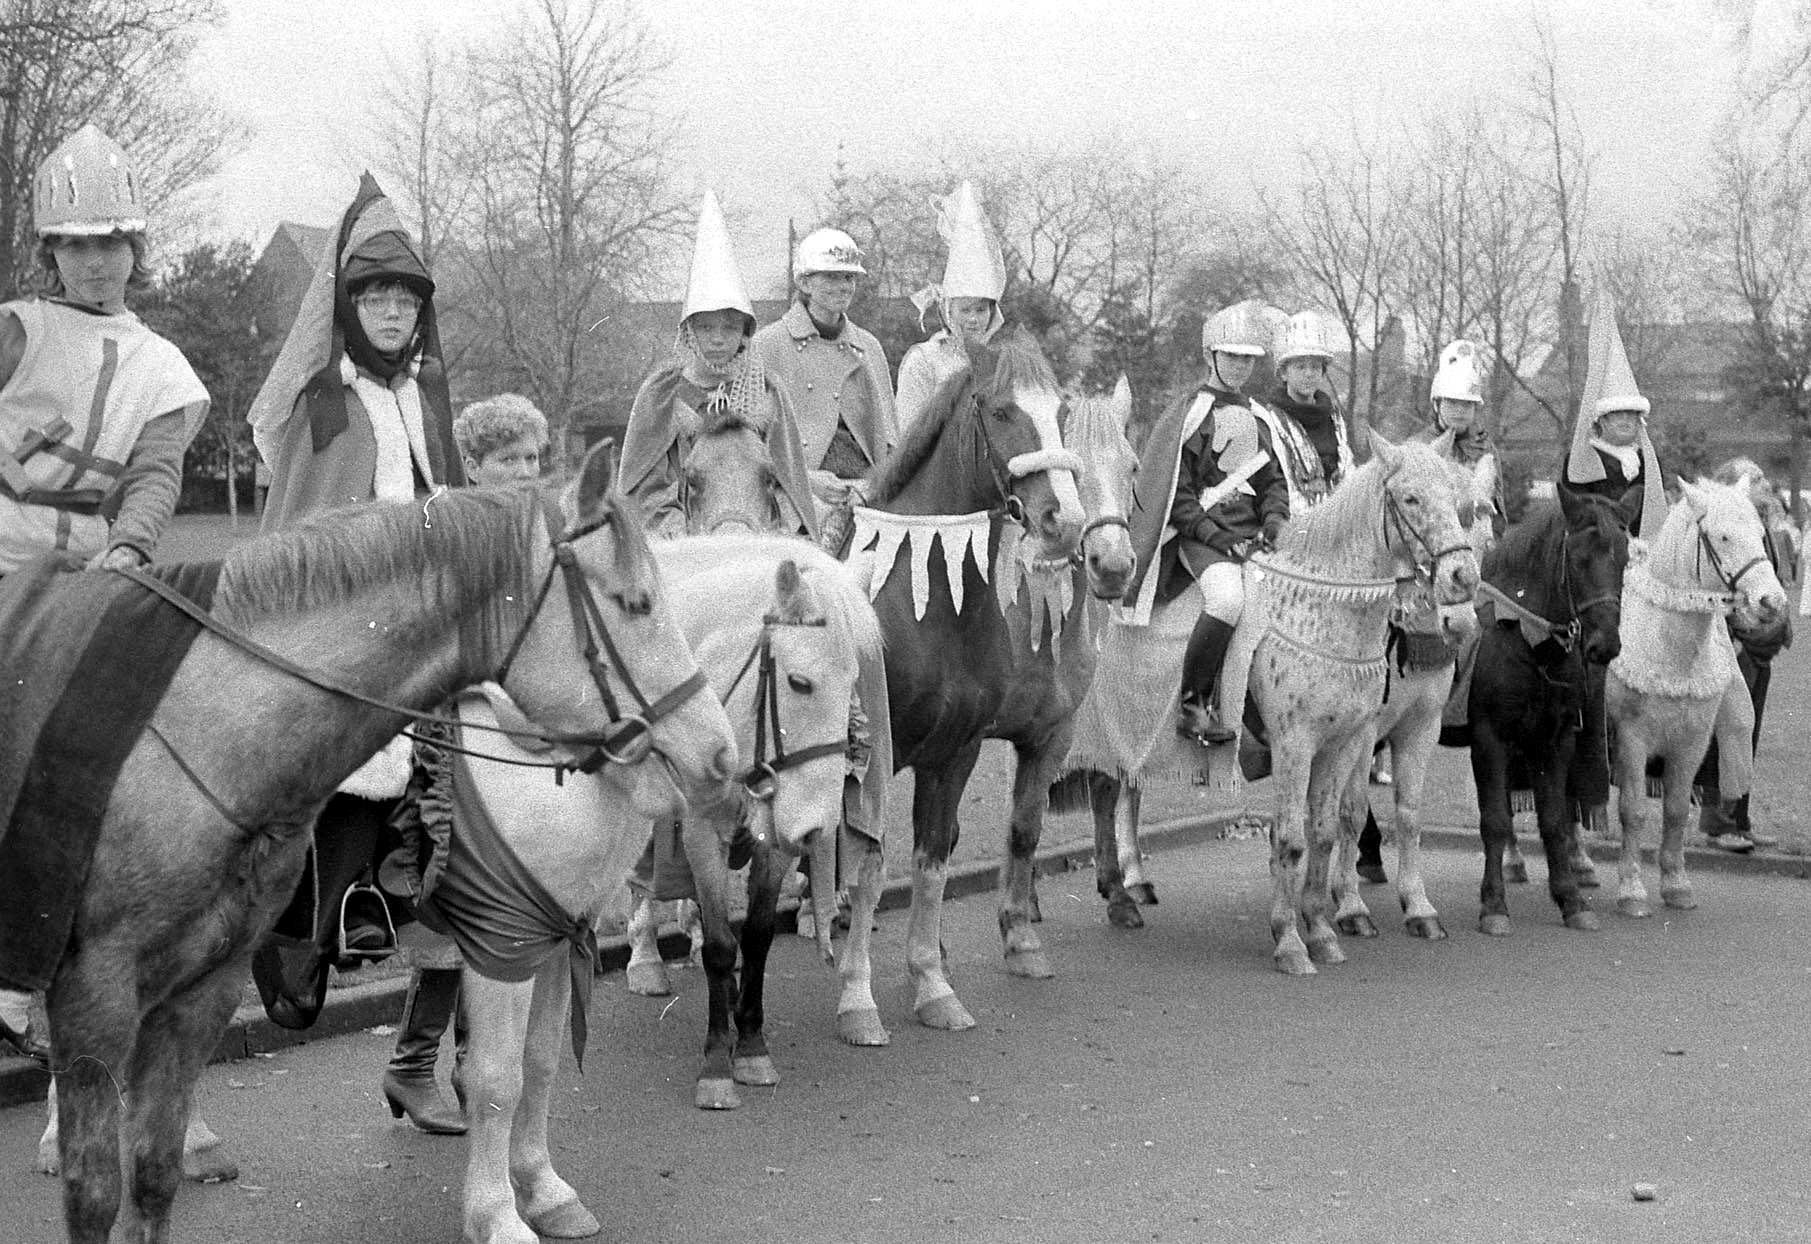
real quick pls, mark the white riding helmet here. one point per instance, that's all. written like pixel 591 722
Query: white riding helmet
pixel 1304 336
pixel 88 187
pixel 827 250
pixel 1239 329
pixel 1457 378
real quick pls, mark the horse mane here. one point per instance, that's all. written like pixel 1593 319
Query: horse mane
pixel 1318 535
pixel 1017 363
pixel 1531 547
pixel 460 548
pixel 723 418
pixel 707 565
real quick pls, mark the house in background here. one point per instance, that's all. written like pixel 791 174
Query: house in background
pixel 281 275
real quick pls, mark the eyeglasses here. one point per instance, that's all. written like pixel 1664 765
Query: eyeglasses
pixel 399 301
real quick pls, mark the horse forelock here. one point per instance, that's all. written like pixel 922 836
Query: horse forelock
pixel 701 571
pixel 1095 433
pixel 462 549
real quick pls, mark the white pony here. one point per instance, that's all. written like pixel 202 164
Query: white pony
pixel 1676 678
pixel 579 841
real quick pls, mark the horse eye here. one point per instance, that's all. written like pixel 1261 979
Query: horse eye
pixel 800 684
pixel 694 480
pixel 635 604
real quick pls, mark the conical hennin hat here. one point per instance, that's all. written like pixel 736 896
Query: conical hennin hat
pixel 716 281
pixel 975 268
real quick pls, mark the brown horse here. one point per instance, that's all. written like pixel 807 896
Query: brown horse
pixel 202 837
pixel 987 457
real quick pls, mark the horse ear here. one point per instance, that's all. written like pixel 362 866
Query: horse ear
pixel 1694 494
pixel 1570 501
pixel 1121 402
pixel 1388 453
pixel 1629 506
pixel 789 592
pixel 596 476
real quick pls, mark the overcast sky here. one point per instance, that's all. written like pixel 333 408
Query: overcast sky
pixel 1232 88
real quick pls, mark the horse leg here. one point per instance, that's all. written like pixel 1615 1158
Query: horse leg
pixel 1330 777
pixel 1632 807
pixel 1411 748
pixel 1131 850
pixel 1105 797
pixel 1559 837
pixel 936 801
pixel 857 1014
pixel 1490 775
pixel 647 970
pixel 1036 769
pixel 1675 812
pixel 497 1019
pixel 549 1204
pixel 716 1087
pixel 1351 914
pixel 199 1163
pixel 1288 847
pixel 751 1063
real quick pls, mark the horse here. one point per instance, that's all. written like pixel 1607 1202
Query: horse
pixel 951 508
pixel 727 479
pixel 1676 680
pixel 1551 603
pixel 810 668
pixel 201 836
pixel 782 634
pixel 1414 701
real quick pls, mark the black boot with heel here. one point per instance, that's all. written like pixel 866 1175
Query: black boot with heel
pixel 409 1084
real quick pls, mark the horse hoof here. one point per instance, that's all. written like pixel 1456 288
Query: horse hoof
pixel 50 1162
pixel 1428 927
pixel 862 1027
pixel 209 1167
pixel 1122 913
pixel 717 1095
pixel 1031 964
pixel 1635 907
pixel 1359 924
pixel 1372 874
pixel 1294 963
pixel 1680 900
pixel 1144 894
pixel 571 1221
pixel 1494 925
pixel 946 1014
pixel 1585 921
pixel 757 1070
pixel 650 980
pixel 1327 954
pixel 1516 871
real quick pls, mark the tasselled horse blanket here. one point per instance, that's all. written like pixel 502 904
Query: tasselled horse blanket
pixel 85 658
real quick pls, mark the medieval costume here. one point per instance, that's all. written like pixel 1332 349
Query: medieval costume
pixel 343 419
pixel 1208 491
pixel 833 371
pixel 96 410
pixel 1313 447
pixel 673 400
pixel 975 270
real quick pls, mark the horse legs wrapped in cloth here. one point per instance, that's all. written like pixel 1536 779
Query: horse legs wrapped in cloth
pixel 199 834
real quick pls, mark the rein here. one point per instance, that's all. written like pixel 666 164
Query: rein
pixel 759 780
pixel 1708 550
pixel 626 740
pixel 1392 513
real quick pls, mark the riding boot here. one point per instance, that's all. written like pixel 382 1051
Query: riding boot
pixel 409 1084
pixel 1207 646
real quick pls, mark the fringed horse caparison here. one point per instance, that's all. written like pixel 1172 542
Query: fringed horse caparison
pixel 938 533
pixel 287 688
pixel 1676 681
pixel 1551 602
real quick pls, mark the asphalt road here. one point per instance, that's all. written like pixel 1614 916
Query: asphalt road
pixel 1168 1085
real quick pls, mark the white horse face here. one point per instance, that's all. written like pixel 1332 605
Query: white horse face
pixel 1097 430
pixel 1736 561
pixel 815 664
pixel 1427 532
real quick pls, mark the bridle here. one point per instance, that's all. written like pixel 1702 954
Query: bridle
pixel 1010 503
pixel 1393 515
pixel 1708 550
pixel 629 737
pixel 759 780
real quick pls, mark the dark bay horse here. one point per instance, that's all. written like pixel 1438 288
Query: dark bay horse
pixel 203 834
pixel 1551 603
pixel 987 457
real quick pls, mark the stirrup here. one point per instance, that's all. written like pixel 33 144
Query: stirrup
pixel 1198 721
pixel 366 932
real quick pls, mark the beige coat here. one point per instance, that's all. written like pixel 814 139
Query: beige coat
pixel 844 381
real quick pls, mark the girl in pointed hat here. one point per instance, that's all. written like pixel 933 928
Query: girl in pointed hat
pixel 974 280
pixel 1208 492
pixel 714 369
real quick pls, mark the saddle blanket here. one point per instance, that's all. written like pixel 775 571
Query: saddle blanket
pixel 85 658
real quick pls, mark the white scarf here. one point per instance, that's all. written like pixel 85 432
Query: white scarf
pixel 1629 456
pixel 396 425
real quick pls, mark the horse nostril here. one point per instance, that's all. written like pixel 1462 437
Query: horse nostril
pixel 723 764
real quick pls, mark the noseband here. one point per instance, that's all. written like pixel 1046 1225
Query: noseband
pixel 1392 514
pixel 1708 550
pixel 629 738
pixel 759 780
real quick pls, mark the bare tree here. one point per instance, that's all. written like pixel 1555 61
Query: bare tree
pixel 573 205
pixel 423 141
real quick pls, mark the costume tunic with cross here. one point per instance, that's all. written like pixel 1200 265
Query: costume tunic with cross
pixel 95 413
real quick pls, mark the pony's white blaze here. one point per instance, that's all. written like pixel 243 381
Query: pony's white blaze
pixel 1061 464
